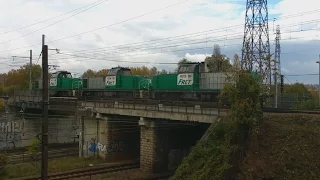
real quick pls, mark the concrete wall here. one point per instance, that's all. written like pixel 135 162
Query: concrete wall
pixel 112 138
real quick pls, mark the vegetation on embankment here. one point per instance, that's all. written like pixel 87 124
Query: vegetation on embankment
pixel 285 147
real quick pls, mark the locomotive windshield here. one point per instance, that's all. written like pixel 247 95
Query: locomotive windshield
pixel 119 72
pixel 61 74
pixel 112 72
pixel 188 68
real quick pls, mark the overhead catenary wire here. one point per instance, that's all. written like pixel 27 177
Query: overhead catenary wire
pixel 23 27
pixel 240 25
pixel 51 24
pixel 105 58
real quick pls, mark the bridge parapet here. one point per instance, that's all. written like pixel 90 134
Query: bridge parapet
pixel 158 110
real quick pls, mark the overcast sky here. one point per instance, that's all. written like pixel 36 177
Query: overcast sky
pixel 150 32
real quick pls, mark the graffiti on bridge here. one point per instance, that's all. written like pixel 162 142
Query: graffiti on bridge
pixel 11 133
pixel 112 147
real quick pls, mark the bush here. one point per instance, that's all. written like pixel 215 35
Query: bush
pixel 33 151
pixel 3 163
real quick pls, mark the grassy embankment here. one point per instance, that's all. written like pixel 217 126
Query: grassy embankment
pixel 283 146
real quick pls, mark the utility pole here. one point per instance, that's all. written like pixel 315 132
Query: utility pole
pixel 30 85
pixel 45 101
pixel 319 79
pixel 277 64
pixel 43 42
pixel 256 47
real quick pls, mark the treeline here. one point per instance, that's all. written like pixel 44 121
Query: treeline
pixel 18 78
pixel 217 62
pixel 141 71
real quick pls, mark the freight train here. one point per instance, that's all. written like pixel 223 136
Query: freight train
pixel 192 82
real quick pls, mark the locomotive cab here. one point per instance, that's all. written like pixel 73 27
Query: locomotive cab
pixel 113 73
pixel 59 75
pixel 186 73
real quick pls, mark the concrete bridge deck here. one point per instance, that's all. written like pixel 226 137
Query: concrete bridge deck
pixel 183 111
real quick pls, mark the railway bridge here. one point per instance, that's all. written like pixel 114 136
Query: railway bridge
pixel 158 133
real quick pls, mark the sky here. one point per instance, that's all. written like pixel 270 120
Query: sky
pixel 99 34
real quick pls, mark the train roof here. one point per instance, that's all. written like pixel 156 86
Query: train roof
pixel 57 72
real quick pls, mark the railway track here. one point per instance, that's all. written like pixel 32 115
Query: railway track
pixel 88 172
pixel 164 176
pixel 53 154
pixel 292 111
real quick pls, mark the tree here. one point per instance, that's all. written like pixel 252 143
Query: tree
pixel 218 62
pixel 163 71
pixel 20 77
pixel 102 72
pixel 182 61
pixel 153 72
pixel 236 61
pixel 33 151
pixel 89 73
pixel 141 71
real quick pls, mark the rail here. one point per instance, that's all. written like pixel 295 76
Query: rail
pixel 89 172
pixel 54 154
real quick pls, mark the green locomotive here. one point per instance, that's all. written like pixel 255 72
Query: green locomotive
pixel 192 82
pixel 119 83
pixel 61 84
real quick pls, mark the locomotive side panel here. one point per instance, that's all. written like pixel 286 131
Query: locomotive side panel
pixel 213 81
pixel 96 83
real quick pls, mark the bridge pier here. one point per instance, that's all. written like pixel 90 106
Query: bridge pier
pixel 151 148
pixel 111 138
pixel 165 143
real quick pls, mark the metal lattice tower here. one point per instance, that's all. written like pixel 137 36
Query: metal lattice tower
pixel 256 45
pixel 277 64
pixel 278 52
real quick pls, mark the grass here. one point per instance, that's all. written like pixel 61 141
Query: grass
pixel 55 165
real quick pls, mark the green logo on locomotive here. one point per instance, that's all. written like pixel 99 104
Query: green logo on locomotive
pixel 185 79
pixel 185 82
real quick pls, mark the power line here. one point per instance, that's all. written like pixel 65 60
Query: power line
pixel 182 37
pixel 174 45
pixel 49 18
pixel 151 12
pixel 116 60
pixel 315 74
pixel 21 3
pixel 226 28
pixel 52 23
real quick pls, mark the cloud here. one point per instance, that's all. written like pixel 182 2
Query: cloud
pixel 193 27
